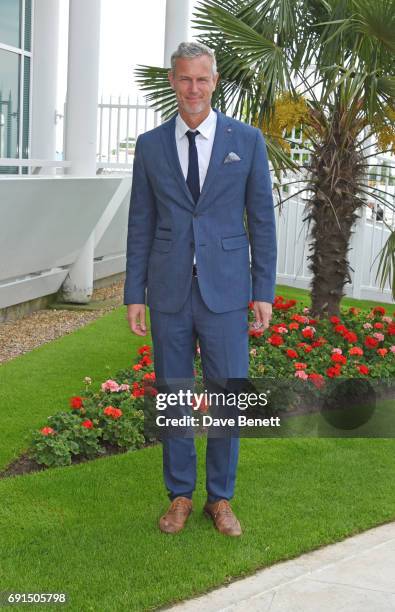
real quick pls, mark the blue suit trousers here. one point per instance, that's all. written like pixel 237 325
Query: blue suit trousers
pixel 223 341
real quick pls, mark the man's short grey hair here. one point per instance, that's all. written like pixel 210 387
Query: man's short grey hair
pixel 191 50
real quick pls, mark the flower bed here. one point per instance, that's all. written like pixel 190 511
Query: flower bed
pixel 359 344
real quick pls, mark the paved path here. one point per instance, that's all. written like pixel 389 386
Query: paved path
pixel 356 575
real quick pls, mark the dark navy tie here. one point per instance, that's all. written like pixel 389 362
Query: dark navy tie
pixel 193 166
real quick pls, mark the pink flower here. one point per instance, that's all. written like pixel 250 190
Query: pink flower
pixel 387 319
pixel 253 352
pixel 367 326
pixel 378 336
pixel 337 350
pixel 124 387
pixel 110 385
pixel 301 374
pixel 306 310
pixel 392 348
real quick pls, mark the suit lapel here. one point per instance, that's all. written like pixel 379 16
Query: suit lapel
pixel 218 153
pixel 170 146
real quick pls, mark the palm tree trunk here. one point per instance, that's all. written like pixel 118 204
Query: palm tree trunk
pixel 336 169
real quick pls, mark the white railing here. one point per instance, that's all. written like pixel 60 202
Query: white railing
pixel 35 166
pixel 119 124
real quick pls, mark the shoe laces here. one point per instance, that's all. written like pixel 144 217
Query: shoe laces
pixel 178 505
pixel 224 506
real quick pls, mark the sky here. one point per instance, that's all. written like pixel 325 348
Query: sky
pixel 132 32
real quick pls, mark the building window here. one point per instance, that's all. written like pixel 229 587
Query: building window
pixel 10 22
pixel 15 81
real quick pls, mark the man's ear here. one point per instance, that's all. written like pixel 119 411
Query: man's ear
pixel 171 78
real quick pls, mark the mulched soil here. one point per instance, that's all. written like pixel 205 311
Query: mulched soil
pixel 25 465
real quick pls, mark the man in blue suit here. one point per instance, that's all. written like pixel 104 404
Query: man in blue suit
pixel 188 259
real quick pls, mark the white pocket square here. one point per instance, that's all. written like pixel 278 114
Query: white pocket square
pixel 231 157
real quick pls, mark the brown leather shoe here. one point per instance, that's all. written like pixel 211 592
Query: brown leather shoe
pixel 175 518
pixel 223 517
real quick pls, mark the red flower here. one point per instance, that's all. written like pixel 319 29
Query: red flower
pixel 144 350
pixel 378 310
pixel 378 325
pixel 338 358
pixel 88 424
pixel 355 350
pixel 363 369
pixel 255 333
pixel 278 327
pixel 291 353
pixel 46 431
pixel 276 339
pixel 317 379
pixel 293 326
pixel 251 305
pixel 350 337
pixel 333 371
pixel 137 391
pixel 300 366
pixel 279 303
pixel 149 376
pixel 146 360
pixel 307 348
pixel 382 352
pixel 353 310
pixel 371 342
pixel 112 412
pixel 307 332
pixel 76 402
pixel 391 329
pixel 137 367
pixel 340 329
pixel 334 320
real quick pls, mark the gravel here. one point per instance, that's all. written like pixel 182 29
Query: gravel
pixel 42 326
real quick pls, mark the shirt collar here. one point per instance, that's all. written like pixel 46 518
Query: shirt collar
pixel 205 128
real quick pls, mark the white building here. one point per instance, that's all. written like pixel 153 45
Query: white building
pixel 63 227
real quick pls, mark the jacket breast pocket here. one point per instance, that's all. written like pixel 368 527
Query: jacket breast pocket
pixel 162 245
pixel 235 242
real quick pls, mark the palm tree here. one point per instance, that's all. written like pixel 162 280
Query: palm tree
pixel 337 57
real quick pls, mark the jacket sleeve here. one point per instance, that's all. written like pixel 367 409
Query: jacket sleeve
pixel 141 230
pixel 261 225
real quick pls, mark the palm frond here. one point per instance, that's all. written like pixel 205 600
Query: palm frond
pixel 386 265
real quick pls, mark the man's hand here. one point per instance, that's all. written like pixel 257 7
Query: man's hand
pixel 263 314
pixel 136 319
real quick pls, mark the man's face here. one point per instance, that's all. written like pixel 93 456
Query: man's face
pixel 194 83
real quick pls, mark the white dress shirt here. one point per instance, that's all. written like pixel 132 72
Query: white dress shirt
pixel 204 144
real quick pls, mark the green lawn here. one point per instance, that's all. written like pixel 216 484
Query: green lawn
pixel 90 530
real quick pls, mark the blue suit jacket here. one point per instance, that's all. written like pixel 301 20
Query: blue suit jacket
pixel 166 227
